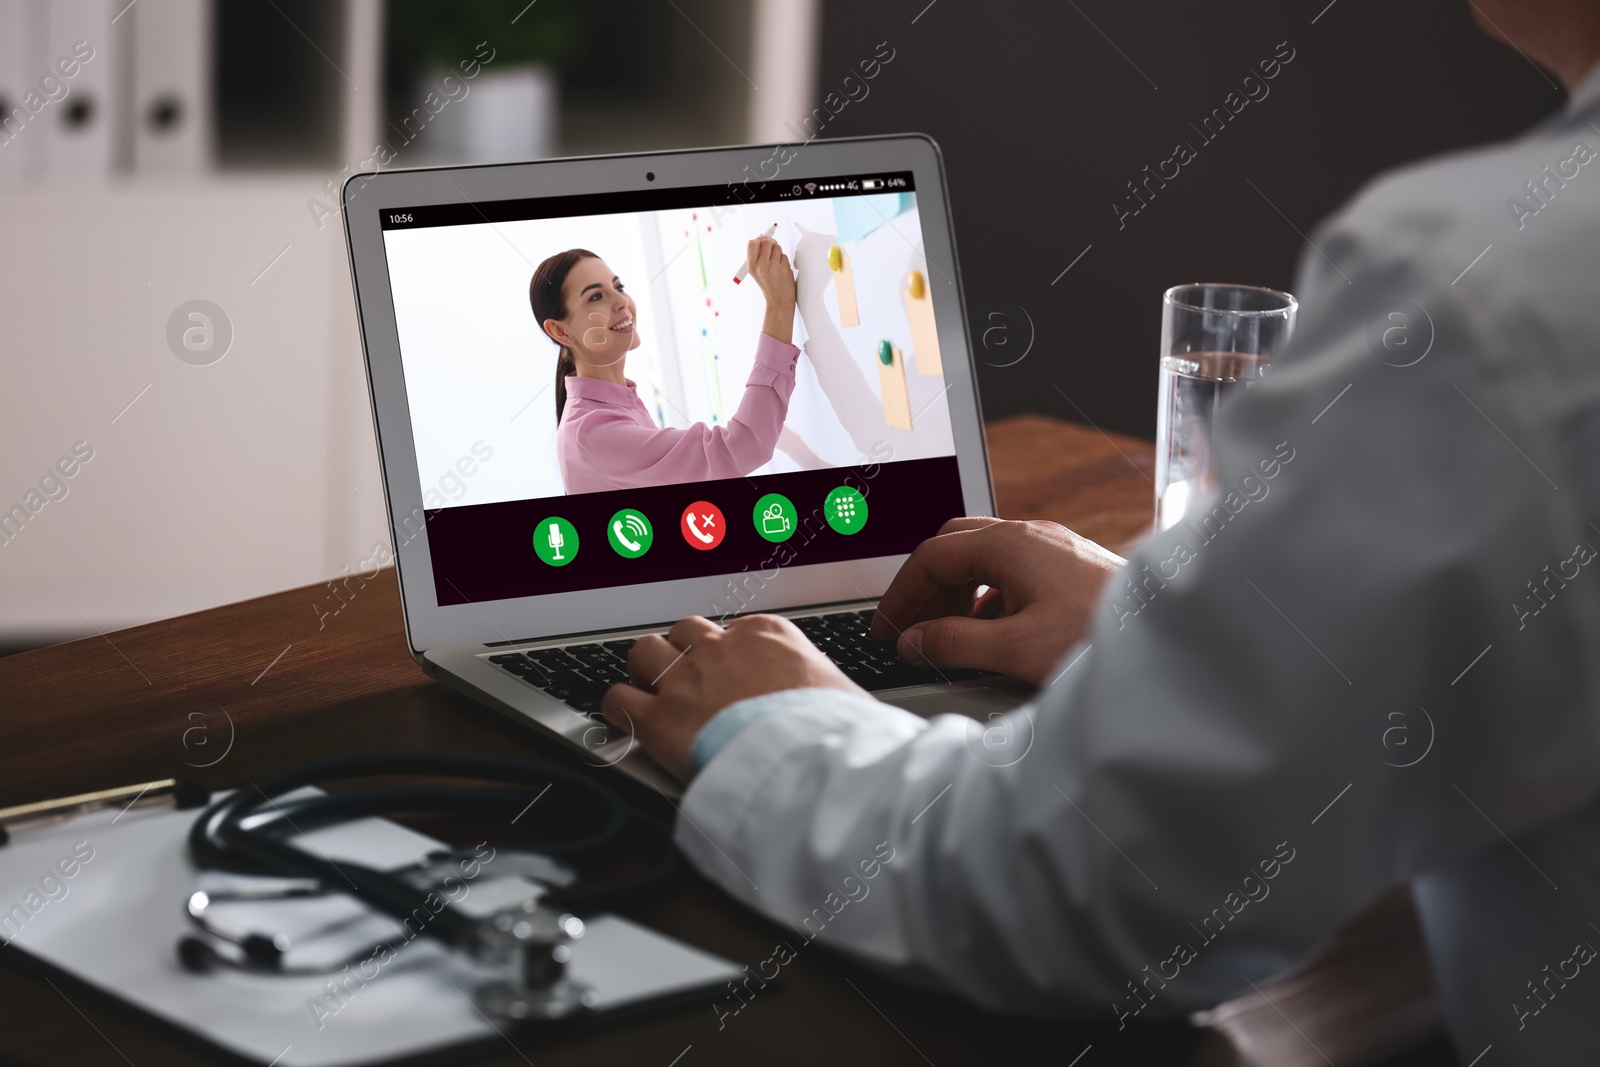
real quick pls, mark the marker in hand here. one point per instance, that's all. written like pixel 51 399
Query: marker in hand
pixel 744 268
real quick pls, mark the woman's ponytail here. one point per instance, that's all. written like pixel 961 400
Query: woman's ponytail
pixel 564 367
pixel 544 296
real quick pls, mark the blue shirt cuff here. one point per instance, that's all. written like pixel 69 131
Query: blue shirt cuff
pixel 731 721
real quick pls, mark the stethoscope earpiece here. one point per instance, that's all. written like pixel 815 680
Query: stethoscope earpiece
pixel 195 956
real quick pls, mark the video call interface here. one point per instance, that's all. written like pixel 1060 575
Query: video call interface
pixel 669 451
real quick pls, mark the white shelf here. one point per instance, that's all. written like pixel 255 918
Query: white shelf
pixel 219 482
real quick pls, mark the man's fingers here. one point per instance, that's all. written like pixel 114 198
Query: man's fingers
pixel 991 605
pixel 653 655
pixel 968 522
pixel 952 559
pixel 650 655
pixel 987 644
pixel 686 631
pixel 948 600
pixel 625 706
pixel 640 716
pixel 762 622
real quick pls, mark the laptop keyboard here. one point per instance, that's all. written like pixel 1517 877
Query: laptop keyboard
pixel 579 675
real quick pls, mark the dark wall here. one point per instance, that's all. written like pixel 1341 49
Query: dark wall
pixel 1030 93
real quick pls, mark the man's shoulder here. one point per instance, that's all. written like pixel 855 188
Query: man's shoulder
pixel 1494 243
pixel 1526 197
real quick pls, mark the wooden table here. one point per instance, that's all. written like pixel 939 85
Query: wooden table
pixel 263 683
pixel 1102 485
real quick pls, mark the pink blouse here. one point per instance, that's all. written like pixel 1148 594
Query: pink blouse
pixel 607 439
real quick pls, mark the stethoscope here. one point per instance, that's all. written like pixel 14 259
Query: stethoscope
pixel 526 945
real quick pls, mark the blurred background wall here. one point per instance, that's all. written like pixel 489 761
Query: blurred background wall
pixel 175 303
pixel 1087 93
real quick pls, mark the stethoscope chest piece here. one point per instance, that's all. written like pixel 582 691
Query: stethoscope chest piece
pixel 532 945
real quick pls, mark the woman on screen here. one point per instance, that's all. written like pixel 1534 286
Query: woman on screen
pixel 605 437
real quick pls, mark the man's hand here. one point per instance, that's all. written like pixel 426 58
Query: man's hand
pixel 680 681
pixel 1043 578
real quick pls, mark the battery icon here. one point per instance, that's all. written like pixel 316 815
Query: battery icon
pixel 872 183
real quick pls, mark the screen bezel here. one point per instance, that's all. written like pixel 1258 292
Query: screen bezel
pixel 428 625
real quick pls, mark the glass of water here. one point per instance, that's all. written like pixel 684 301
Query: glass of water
pixel 1215 341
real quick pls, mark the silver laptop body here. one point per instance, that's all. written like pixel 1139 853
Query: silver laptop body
pixel 460 380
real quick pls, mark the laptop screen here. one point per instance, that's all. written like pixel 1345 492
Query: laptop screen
pixel 596 402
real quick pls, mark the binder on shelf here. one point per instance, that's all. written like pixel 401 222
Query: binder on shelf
pixel 80 37
pixel 19 145
pixel 171 112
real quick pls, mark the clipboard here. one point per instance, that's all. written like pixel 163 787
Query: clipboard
pixel 113 925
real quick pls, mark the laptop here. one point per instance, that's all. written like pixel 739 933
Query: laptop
pixel 533 548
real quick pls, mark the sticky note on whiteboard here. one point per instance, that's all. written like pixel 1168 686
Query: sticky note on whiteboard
pixel 892 384
pixel 856 216
pixel 924 335
pixel 844 286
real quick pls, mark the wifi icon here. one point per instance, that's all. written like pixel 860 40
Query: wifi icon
pixel 811 187
pixel 630 534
